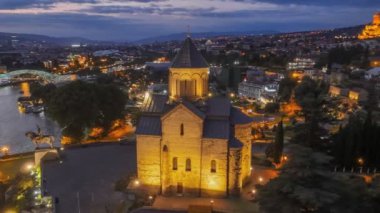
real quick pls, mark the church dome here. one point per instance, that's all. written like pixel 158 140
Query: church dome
pixel 189 56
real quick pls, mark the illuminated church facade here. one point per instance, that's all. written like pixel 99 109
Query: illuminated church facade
pixel 371 31
pixel 190 144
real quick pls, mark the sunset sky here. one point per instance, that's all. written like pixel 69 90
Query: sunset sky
pixel 136 19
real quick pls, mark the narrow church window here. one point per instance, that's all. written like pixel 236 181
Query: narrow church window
pixel 213 166
pixel 188 165
pixel 182 131
pixel 175 164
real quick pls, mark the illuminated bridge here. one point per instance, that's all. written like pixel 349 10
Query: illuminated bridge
pixel 43 75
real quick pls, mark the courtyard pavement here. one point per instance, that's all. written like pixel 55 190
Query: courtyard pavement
pixel 84 180
pixel 10 167
pixel 229 205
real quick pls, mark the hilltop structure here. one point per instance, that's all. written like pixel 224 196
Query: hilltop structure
pixel 189 144
pixel 372 30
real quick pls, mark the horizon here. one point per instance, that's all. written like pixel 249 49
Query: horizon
pixel 115 20
pixel 184 33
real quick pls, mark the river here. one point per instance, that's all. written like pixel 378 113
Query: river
pixel 14 124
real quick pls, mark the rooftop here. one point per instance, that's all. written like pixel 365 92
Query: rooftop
pixel 189 56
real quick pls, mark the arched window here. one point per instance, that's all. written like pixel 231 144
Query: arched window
pixel 188 165
pixel 165 148
pixel 213 166
pixel 175 163
pixel 182 130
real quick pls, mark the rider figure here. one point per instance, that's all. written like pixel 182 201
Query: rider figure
pixel 39 133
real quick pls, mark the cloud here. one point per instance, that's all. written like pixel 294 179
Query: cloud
pixel 133 19
pixel 356 3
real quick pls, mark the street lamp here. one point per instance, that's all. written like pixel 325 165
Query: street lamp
pixel 29 166
pixel 360 161
pixel 136 182
pixel 4 150
pixel 261 179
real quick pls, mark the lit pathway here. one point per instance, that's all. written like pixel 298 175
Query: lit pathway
pixel 219 205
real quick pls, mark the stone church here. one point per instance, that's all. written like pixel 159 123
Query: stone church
pixel 190 144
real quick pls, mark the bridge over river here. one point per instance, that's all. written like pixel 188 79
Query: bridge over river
pixel 47 77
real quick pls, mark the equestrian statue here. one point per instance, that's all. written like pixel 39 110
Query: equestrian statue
pixel 38 138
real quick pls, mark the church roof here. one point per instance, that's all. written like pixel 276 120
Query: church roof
pixel 238 117
pixel 149 125
pixel 218 107
pixel 154 103
pixel 194 109
pixel 189 57
pixel 216 129
pixel 235 143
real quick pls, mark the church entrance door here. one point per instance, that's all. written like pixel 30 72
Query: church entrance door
pixel 179 188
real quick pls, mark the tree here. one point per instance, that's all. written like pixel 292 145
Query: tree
pixel 358 139
pixel 42 92
pixel 278 143
pixel 310 95
pixel 307 184
pixel 80 106
pixel 349 55
pixel 286 88
pixel 272 107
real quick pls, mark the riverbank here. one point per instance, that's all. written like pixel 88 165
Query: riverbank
pixel 15 124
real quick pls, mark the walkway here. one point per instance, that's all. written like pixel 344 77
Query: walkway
pixel 219 205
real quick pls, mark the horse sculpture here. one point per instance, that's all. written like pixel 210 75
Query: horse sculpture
pixel 38 138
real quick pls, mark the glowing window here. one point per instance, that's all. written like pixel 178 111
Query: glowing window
pixel 213 166
pixel 182 130
pixel 188 165
pixel 175 163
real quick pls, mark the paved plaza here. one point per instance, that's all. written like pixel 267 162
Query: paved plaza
pixel 219 205
pixel 84 180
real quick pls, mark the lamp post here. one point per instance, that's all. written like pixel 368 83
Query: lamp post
pixel 4 150
pixel 361 163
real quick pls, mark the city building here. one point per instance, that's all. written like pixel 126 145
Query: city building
pixel 187 143
pixel 259 85
pixel 372 30
pixel 3 69
pixel 336 91
pixel 374 61
pixel 372 73
pixel 358 95
pixel 301 64
pixel 257 89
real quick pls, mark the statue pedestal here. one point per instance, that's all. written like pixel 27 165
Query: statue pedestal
pixel 45 154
